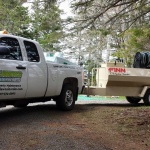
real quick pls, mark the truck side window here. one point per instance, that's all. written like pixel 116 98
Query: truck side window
pixel 10 49
pixel 32 52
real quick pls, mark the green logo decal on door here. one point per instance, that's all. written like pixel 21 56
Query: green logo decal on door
pixel 10 76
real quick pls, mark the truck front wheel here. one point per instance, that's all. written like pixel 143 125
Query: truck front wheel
pixel 133 100
pixel 146 98
pixel 66 100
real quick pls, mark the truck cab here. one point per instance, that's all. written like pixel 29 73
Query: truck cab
pixel 25 75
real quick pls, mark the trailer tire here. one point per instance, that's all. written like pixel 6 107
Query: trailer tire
pixel 146 98
pixel 66 100
pixel 133 100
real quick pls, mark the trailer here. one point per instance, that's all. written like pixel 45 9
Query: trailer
pixel 113 79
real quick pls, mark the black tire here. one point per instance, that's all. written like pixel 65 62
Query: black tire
pixel 21 105
pixel 133 100
pixel 66 100
pixel 146 98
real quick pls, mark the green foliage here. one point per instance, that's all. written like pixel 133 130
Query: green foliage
pixel 89 65
pixel 46 24
pixel 105 32
pixel 139 38
pixel 135 40
pixel 42 23
pixel 14 17
pixel 126 22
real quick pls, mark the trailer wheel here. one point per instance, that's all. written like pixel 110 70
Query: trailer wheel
pixel 66 100
pixel 146 98
pixel 133 100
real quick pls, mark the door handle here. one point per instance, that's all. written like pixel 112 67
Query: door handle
pixel 21 67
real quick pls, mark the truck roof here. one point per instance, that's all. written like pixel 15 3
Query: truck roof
pixel 15 36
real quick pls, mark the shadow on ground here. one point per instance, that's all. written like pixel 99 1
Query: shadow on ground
pixel 48 110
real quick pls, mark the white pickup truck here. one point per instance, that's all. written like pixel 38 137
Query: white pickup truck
pixel 26 77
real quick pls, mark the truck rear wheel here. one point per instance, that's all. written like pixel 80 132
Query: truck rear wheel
pixel 66 100
pixel 146 98
pixel 133 100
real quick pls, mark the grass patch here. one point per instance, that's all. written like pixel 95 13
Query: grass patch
pixel 84 97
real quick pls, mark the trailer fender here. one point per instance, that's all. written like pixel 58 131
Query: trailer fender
pixel 143 92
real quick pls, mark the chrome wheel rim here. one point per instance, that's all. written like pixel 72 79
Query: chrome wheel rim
pixel 69 98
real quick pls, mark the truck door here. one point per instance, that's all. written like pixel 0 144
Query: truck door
pixel 13 71
pixel 37 70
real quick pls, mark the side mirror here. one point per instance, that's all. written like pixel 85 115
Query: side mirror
pixel 4 50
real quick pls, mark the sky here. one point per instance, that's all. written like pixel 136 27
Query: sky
pixel 65 6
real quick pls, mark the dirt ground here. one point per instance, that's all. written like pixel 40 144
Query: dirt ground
pixel 92 125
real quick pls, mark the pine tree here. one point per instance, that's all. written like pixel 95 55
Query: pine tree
pixel 46 24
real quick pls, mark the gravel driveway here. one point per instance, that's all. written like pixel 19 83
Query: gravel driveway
pixel 42 127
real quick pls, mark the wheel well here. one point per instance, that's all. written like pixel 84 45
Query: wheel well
pixel 74 83
pixel 71 81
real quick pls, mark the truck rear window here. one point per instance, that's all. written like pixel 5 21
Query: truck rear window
pixel 32 52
